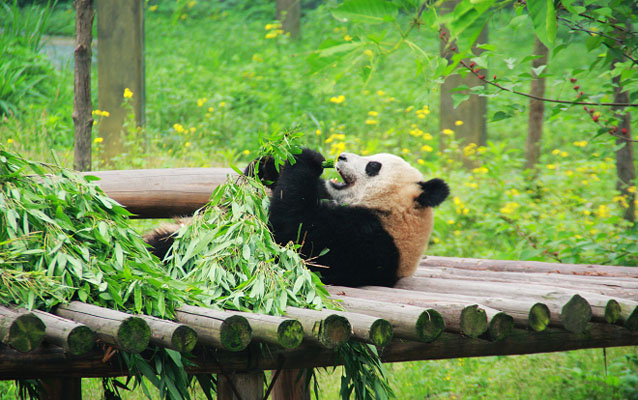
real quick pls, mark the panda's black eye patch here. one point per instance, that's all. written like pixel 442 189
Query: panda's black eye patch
pixel 373 168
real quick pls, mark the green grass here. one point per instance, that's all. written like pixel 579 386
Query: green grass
pixel 215 83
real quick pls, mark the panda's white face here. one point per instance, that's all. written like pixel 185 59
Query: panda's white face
pixel 381 181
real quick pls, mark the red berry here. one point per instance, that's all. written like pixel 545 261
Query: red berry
pixel 624 130
pixel 576 87
pixel 595 118
pixel 585 108
pixel 472 64
pixel 573 80
pixel 481 76
pixel 494 77
pixel 580 94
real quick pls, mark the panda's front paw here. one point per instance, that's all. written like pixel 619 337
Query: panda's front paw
pixel 312 160
pixel 266 170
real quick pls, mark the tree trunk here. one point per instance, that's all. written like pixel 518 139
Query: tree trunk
pixel 536 109
pixel 82 105
pixel 289 14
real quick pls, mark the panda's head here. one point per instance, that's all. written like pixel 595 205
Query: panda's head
pixel 384 182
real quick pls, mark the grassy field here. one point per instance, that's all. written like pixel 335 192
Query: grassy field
pixel 216 82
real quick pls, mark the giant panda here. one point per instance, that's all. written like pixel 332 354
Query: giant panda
pixel 370 228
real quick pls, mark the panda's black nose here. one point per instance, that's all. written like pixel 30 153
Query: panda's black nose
pixel 342 157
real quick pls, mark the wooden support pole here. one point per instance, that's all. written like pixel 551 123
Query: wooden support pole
pixel 120 31
pixel 76 339
pixel 82 104
pixel 291 385
pixel 22 331
pixel 172 335
pixel 62 389
pixel 223 329
pixel 241 386
pixel 125 331
pixel 322 327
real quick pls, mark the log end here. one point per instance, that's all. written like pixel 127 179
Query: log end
pixel 80 341
pixel 25 333
pixel 576 314
pixel 381 333
pixel 500 326
pixel 184 339
pixel 631 321
pixel 235 333
pixel 133 335
pixel 538 317
pixel 612 311
pixel 333 331
pixel 290 333
pixel 473 321
pixel 429 325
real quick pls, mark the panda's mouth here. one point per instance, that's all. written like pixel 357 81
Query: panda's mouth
pixel 347 181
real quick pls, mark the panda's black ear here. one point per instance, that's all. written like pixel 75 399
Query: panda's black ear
pixel 433 192
pixel 266 170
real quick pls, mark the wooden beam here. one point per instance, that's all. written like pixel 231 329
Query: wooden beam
pixel 162 193
pixel 51 362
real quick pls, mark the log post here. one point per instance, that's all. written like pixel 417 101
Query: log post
pixel 62 389
pixel 76 339
pixel 125 331
pixel 82 104
pixel 217 328
pixel 368 328
pixel 241 386
pixel 291 385
pixel 280 331
pixel 323 327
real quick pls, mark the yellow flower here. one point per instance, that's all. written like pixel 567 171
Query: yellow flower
pixel 469 149
pixel 257 58
pixel 178 128
pixel 271 35
pixel 368 53
pixel 200 102
pixel 335 136
pixel 127 93
pixel 273 26
pixel 555 152
pixel 473 185
pixel 551 166
pixel 347 38
pixel 318 132
pixel 480 170
pixel 457 201
pixel 152 8
pixel 409 108
pixel 427 136
pixel 450 221
pixel 222 104
pixel 380 93
pixel 448 132
pixel 631 189
pixel 183 17
pixel 416 132
pixel 371 122
pixel 405 151
pixel 373 113
pixel 98 140
pixel 509 207
pixel 193 129
pixel 187 144
pixel 458 123
pixel 569 172
pixel 426 148
pixel 211 109
pixel 603 211
pixel 192 4
pixel 622 200
pixel 246 152
pixel 420 161
pixel 338 99
pixel 581 143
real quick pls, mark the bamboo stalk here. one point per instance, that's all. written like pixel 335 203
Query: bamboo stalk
pixel 172 335
pixel 125 331
pixel 22 331
pixel 223 329
pixel 323 327
pixel 76 339
pixel 530 266
pixel 282 331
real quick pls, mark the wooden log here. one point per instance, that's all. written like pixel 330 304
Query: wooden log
pixel 530 266
pixel 369 328
pixel 76 339
pixel 324 327
pixel 223 329
pixel 431 318
pixel 525 313
pixel 162 193
pixel 22 331
pixel 125 331
pixel 614 287
pixel 51 361
pixel 575 311
pixel 281 331
pixel 172 335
